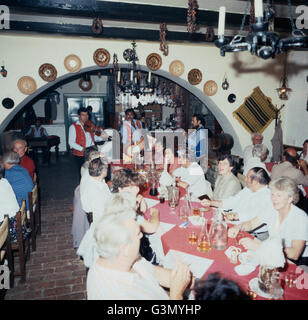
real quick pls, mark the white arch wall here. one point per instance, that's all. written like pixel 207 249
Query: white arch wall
pixel 24 54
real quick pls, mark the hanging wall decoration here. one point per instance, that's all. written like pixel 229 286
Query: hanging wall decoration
pixel 210 88
pixel 154 61
pixel 72 63
pixel 162 35
pixel 101 57
pixel 8 103
pixel 176 68
pixel 26 85
pixel 194 76
pixel 257 112
pixel 48 72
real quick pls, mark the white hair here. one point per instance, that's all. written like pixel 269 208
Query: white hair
pixel 110 231
pixel 20 141
pixel 256 134
pixel 11 157
pixel 259 150
pixel 287 185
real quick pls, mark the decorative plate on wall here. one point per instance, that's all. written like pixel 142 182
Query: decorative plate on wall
pixel 231 97
pixel 194 76
pixel 101 57
pixel 210 88
pixel 85 85
pixel 176 68
pixel 48 72
pixel 26 85
pixel 8 103
pixel 72 63
pixel 154 61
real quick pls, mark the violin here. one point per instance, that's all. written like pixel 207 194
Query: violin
pixel 89 126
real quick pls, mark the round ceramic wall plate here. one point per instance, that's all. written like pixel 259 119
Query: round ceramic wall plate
pixel 85 85
pixel 154 61
pixel 72 63
pixel 210 88
pixel 176 68
pixel 8 103
pixel 48 72
pixel 231 97
pixel 194 76
pixel 26 85
pixel 101 57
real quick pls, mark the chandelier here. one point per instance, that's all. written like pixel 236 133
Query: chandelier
pixel 135 87
pixel 261 39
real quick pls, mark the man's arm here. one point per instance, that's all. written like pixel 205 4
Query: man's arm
pixel 244 226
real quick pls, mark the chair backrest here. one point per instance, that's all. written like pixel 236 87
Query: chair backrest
pixel 35 178
pixel 241 178
pixel 4 233
pixel 23 212
pixel 34 194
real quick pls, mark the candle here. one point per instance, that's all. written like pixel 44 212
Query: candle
pixel 259 8
pixel 149 77
pixel 119 75
pixel 131 75
pixel 221 21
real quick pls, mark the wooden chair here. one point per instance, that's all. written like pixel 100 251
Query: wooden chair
pixel 21 245
pixel 5 247
pixel 241 178
pixel 34 215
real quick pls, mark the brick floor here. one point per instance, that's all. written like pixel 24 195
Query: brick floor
pixel 54 271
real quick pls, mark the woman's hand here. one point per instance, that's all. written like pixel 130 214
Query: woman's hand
pixel 250 244
pixel 233 232
pixel 180 278
pixel 141 204
pixel 205 202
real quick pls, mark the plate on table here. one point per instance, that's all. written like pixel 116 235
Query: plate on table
pixel 244 269
pixel 248 258
pixel 254 286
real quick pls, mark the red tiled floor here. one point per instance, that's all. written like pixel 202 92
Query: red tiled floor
pixel 54 271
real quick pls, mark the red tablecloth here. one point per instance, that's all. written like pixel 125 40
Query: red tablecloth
pixel 306 189
pixel 177 239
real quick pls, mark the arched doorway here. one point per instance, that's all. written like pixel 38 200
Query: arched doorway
pixel 219 115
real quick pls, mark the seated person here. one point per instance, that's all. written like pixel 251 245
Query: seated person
pixel 89 154
pixel 218 288
pixel 256 138
pixel 94 192
pixel 20 147
pixel 8 204
pixel 250 202
pixel 37 131
pixel 304 154
pixel 226 184
pixel 259 155
pixel 284 220
pixel 191 176
pixel 18 177
pixel 120 267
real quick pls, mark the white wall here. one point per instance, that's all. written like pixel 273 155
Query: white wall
pixel 23 55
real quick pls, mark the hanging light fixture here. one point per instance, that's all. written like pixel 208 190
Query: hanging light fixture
pixel 260 41
pixel 3 71
pixel 283 91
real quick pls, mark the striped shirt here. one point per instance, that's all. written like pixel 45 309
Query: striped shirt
pixel 108 284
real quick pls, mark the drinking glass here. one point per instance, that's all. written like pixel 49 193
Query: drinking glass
pixel 184 212
pixel 276 291
pixel 173 196
pixel 290 279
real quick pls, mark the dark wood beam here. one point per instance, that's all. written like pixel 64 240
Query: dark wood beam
pixel 130 12
pixel 108 32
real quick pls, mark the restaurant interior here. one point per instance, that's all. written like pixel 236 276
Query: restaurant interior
pixel 240 64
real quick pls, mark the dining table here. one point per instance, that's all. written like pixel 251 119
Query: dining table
pixel 174 237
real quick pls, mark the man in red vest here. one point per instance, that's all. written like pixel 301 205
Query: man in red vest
pixel 79 139
pixel 20 147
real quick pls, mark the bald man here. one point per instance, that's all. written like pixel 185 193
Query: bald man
pixel 287 168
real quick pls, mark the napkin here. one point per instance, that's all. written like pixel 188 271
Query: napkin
pixel 197 265
pixel 150 202
pixel 270 253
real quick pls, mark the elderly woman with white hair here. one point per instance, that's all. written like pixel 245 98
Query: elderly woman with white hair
pixel 119 273
pixel 285 221
pixel 259 155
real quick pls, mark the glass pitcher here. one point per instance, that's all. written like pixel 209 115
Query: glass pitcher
pixel 219 233
pixel 204 242
pixel 185 209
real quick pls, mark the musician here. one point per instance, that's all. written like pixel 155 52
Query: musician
pixel 37 131
pixel 130 130
pixel 79 138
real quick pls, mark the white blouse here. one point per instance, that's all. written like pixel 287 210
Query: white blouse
pixel 8 202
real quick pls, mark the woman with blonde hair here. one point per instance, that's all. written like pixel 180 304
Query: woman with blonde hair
pixel 284 220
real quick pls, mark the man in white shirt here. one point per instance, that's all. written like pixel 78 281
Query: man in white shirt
pixel 79 138
pixel 37 131
pixel 256 138
pixel 250 202
pixel 120 274
pixel 191 176
pixel 259 155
